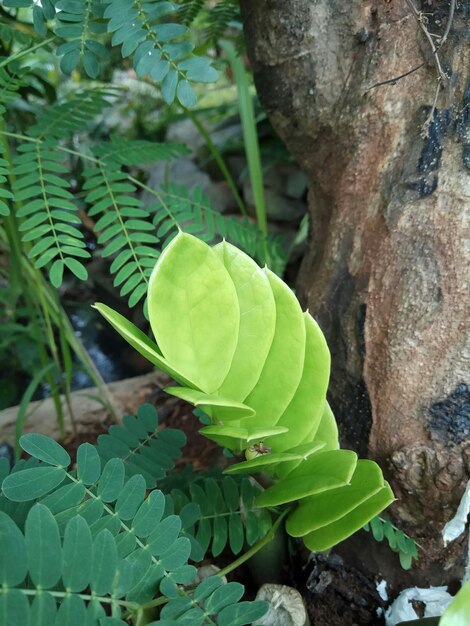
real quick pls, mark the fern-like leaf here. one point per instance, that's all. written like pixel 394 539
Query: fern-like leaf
pixel 77 22
pixel 220 512
pixel 398 541
pixel 5 194
pixel 160 47
pixel 144 449
pixel 138 152
pixel 193 213
pixel 9 35
pixel 220 17
pixel 124 229
pixel 48 215
pixel 96 534
pixel 10 83
pixel 190 10
pixel 74 115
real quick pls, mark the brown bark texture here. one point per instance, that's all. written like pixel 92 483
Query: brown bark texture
pixel 387 268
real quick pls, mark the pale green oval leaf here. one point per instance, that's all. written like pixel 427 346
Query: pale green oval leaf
pixel 131 497
pixel 327 507
pixel 321 472
pixel 71 612
pixel 458 613
pixel 190 291
pixel 328 536
pixel 111 481
pixel 257 321
pixel 104 563
pixel 14 608
pixel 217 407
pixel 43 609
pixel 283 367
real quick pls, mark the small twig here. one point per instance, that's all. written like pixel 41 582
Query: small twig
pixel 430 117
pixel 450 19
pixel 419 18
pixel 442 77
pixel 392 81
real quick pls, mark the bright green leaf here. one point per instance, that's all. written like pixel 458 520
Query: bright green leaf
pixel 185 309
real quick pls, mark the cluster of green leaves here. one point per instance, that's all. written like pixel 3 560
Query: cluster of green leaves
pixel 10 83
pixel 398 541
pixel 88 545
pixel 148 32
pixel 221 512
pixel 129 233
pixel 176 209
pixel 234 337
pixel 457 614
pixel 5 194
pixel 143 449
pixel 213 19
pixel 50 215
pixel 19 351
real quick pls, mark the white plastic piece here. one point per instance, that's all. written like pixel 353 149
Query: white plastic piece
pixel 435 599
pixel 382 590
pixel 456 526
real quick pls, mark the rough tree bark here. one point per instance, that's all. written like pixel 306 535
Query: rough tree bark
pixel 387 268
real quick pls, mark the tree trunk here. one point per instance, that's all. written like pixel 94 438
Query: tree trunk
pixel 387 268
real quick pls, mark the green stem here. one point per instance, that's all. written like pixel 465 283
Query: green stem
pixel 84 596
pixel 218 158
pixel 257 547
pixel 22 53
pixel 250 137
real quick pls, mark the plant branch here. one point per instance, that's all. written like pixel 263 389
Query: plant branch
pixel 450 19
pixel 22 53
pixel 218 159
pixel 419 18
pixel 392 81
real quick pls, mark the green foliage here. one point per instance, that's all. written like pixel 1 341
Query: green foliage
pixel 131 234
pixel 147 31
pixel 236 338
pixel 458 613
pixel 50 216
pixel 73 115
pixel 5 194
pixel 10 83
pixel 143 449
pixel 398 541
pixel 215 18
pixel 176 209
pixel 220 512
pixel 75 541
